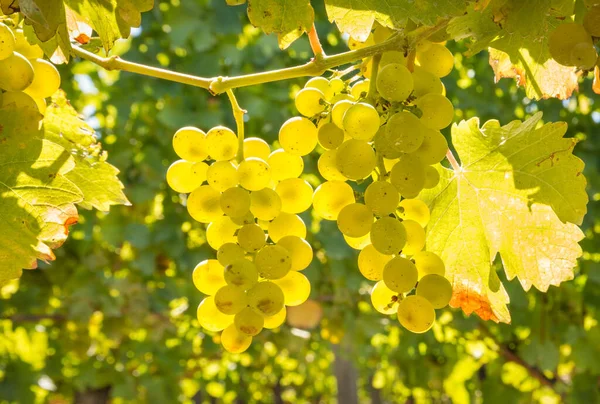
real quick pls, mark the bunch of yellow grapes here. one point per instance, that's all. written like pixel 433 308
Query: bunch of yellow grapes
pixel 25 78
pixel 572 44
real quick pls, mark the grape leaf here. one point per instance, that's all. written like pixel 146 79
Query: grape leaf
pixel 356 17
pixel 519 192
pixel 289 19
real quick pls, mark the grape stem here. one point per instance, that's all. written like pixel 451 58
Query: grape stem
pixel 315 43
pixel 238 115
pixel 218 85
pixel 380 166
pixel 450 157
pixel 373 81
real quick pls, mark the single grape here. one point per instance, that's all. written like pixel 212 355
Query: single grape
pixel 330 198
pixel 230 299
pixel 210 318
pixel 19 100
pixel 241 273
pixel 408 176
pixel 434 147
pixel 7 41
pixel 339 110
pixel 406 130
pixel 360 89
pixel 328 168
pixel 266 298
pixel 273 262
pixel 256 147
pixel 432 177
pixel 25 48
pixel 330 136
pixel 285 165
pixel 222 175
pixel 371 263
pixel 221 143
pixel 298 136
pixel 323 85
pixel 249 322
pixel 400 275
pixel 229 253
pixel 355 220
pixel 436 59
pixel 16 73
pixel 295 287
pixel 235 202
pixel 394 82
pixel 296 195
pixel 336 84
pixel 414 209
pixel 182 178
pixel 203 204
pixel 436 289
pixel 383 298
pixel 310 101
pixel 254 174
pixel 385 143
pixel 275 320
pixel 438 111
pixel 361 121
pixel 286 224
pixel 416 314
pixel 46 79
pixel 222 230
pixel 265 204
pixel 382 198
pixel 564 38
pixel 425 83
pixel 358 243
pixel 208 277
pixel 591 20
pixel 233 340
pixel 190 144
pixel 584 56
pixel 251 237
pixel 415 237
pixel 388 235
pixel 300 251
pixel 355 159
pixel 428 263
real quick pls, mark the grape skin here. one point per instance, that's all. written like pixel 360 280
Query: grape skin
pixel 190 144
pixel 328 168
pixel 203 204
pixel 7 41
pixel 182 178
pixel 416 314
pixel 249 322
pixel 230 299
pixel 298 136
pixel 434 147
pixel 406 130
pixel 275 320
pixel 286 224
pixel 235 341
pixel 251 237
pixel 388 235
pixel 371 263
pixel 221 143
pixel 436 289
pixel 355 159
pixel 415 237
pixel 265 204
pixel 330 198
pixel 436 59
pixel 300 251
pixel 414 209
pixel 210 317
pixel 438 111
pixel 394 82
pixel 295 287
pixel 428 262
pixel 46 79
pixel 400 275
pixel 296 195
pixel 383 299
pixel 242 273
pixel 208 276
pixel 355 220
pixel 361 121
pixel 408 176
pixel 16 73
pixel 338 111
pixel 235 202
pixel 273 262
pixel 310 101
pixel 330 136
pixel 256 147
pixel 382 197
pixel 229 253
pixel 222 175
pixel 285 165
pixel 254 174
pixel 266 298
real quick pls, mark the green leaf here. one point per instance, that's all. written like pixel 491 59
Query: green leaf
pixel 289 19
pixel 356 17
pixel 44 15
pixel 518 192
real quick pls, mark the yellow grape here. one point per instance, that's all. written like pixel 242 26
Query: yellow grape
pixel 371 263
pixel 285 165
pixel 382 198
pixel 208 277
pixel 436 289
pixel 408 176
pixel 591 20
pixel 235 202
pixel 330 198
pixel 247 218
pixel 296 195
pixel 275 320
pixel 438 111
pixel 7 41
pixel 254 174
pixel 584 56
pixel 18 100
pixel 414 209
pixel 16 73
pixel 229 253
pixel 436 59
pixel 251 237
pixel 337 85
pixel 361 121
pixel 338 110
pixel 241 273
pixel 355 220
pixel 323 85
pixel 327 166
pixel 265 204
pixel 182 178
pixel 425 82
pixel 230 299
pixel 190 144
pixel 295 287
pixel 286 224
pixel 432 177
pixel 384 299
pixel 249 322
pixel 273 262
pixel 203 204
pixel 266 298
pixel 298 136
pixel 222 175
pixel 306 316
pixel 358 243
pixel 406 132
pixel 221 143
pixel 46 79
pixel 564 38
pixel 235 341
pixel 385 143
pixel 394 82
pixel 300 251
pixel 434 147
pixel 355 159
pixel 428 263
pixel 330 136
pixel 25 48
pixel 400 275
pixel 256 147
pixel 388 235
pixel 416 314
pixel 210 318
pixel 360 89
pixel 310 101
pixel 392 57
pixel 222 230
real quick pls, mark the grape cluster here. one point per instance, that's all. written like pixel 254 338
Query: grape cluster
pixel 572 44
pixel 25 78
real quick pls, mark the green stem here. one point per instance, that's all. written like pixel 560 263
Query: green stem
pixel 373 80
pixel 381 166
pixel 238 115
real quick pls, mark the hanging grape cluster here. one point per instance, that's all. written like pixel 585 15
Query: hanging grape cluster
pixel 572 44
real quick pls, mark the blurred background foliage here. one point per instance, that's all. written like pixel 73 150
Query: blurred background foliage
pixel 113 319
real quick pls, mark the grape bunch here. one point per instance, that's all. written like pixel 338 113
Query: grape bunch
pixel 25 78
pixel 250 200
pixel 572 44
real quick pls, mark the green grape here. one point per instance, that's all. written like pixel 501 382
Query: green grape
pixel 591 20
pixel 390 57
pixel 275 320
pixel 408 176
pixel 222 175
pixel 273 262
pixel 247 218
pixel 384 142
pixel 358 243
pixel 361 121
pixel 382 198
pixel 210 318
pixel 437 110
pixel 328 168
pixel 46 79
pixel 7 41
pixel 394 82
pixel 18 100
pixel 229 253
pixel 251 237
pixel 298 136
pixel 355 220
pixel 360 89
pixel 285 165
pixel 249 322
pixel 221 143
pixel 323 85
pixel 310 101
pixel 436 59
pixel 414 209
pixel 300 251
pixel 584 56
pixel 233 340
pixel 434 147
pixel 235 202
pixel 296 195
pixel 564 38
pixel 16 73
pixel 265 204
pixel 426 83
pixel 416 314
pixel 182 178
pixel 203 204
pixel 400 275
pixel 256 147
pixel 230 299
pixel 330 198
pixel 286 224
pixel 436 289
pixel 208 277
pixel 339 110
pixel 388 235
pixel 429 263
pixel 25 48
pixel 384 299
pixel 295 287
pixel 371 263
pixel 336 84
pixel 330 136
pixel 222 230
pixel 242 273
pixel 254 174
pixel 406 130
pixel 415 237
pixel 355 159
pixel 266 298
pixel 432 177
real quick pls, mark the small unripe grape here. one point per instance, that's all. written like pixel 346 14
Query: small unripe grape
pixel 330 136
pixel 190 144
pixel 221 143
pixel 584 55
pixel 436 289
pixel 416 314
pixel 310 101
pixel 388 235
pixel 395 82
pixel 337 85
pixel 432 177
pixel 400 275
pixel 361 121
pixel 298 136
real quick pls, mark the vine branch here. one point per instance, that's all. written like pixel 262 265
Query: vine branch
pixel 238 115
